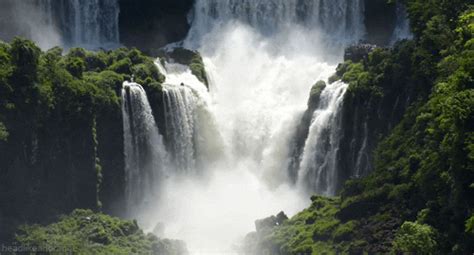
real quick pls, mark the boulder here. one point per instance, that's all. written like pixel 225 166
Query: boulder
pixel 359 52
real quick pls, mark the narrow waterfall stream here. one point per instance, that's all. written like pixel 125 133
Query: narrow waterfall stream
pixel 318 170
pixel 402 26
pixel 145 154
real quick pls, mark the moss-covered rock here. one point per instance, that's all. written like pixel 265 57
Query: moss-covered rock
pixel 189 58
pixel 315 94
pixel 313 231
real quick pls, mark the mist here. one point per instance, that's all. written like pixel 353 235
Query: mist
pixel 26 19
pixel 243 131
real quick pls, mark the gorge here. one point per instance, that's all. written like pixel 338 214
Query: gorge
pixel 231 111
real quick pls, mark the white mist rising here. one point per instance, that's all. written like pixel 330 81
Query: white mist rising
pixel 27 19
pixel 261 69
pixel 260 90
pixel 91 24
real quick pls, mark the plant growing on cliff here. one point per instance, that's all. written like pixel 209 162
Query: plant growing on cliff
pixel 424 166
pixel 413 237
pixel 59 114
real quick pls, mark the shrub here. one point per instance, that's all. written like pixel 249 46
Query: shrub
pixel 75 66
pixel 415 238
pixel 123 66
pixel 470 225
pixel 3 132
pixel 344 231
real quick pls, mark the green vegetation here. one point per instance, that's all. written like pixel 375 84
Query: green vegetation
pixel 419 198
pixel 3 132
pixel 416 238
pixel 190 58
pixel 315 230
pixel 315 94
pixel 317 89
pixel 60 128
pixel 85 232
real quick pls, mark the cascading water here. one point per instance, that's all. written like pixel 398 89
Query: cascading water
pixel 335 19
pixel 402 26
pixel 318 167
pixel 145 154
pixel 262 57
pixel 179 114
pixel 188 118
pixel 92 23
pixel 362 166
pixel 70 23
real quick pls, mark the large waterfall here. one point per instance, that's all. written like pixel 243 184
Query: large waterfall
pixel 145 154
pixel 338 19
pixel 87 23
pixel 262 58
pixel 69 23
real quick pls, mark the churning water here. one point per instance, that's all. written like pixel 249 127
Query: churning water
pixel 231 146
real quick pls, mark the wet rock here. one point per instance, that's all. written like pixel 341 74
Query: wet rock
pixel 359 52
pixel 270 222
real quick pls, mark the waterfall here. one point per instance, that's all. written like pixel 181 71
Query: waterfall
pixel 188 118
pixel 337 19
pixel 145 154
pixel 402 25
pixel 263 56
pixel 70 23
pixel 362 165
pixel 318 167
pixel 92 23
pixel 180 103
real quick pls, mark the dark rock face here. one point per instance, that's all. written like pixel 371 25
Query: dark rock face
pixel 151 24
pixel 367 117
pixel 52 170
pixel 380 20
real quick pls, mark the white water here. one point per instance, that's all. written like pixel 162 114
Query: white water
pixel 262 63
pixel 68 23
pixel 402 27
pixel 337 21
pixel 318 171
pixel 92 23
pixel 145 154
pixel 25 18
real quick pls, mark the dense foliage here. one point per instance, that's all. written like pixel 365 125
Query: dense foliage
pixel 61 131
pixel 315 230
pixel 420 197
pixel 85 232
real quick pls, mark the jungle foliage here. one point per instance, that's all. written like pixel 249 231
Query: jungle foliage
pixel 420 197
pixel 60 128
